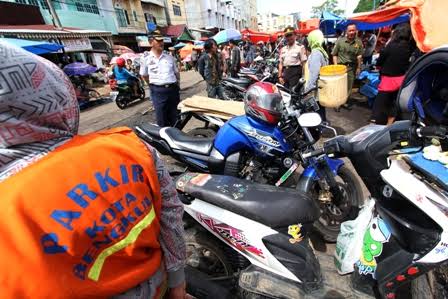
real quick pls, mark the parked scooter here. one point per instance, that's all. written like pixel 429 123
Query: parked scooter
pixel 234 89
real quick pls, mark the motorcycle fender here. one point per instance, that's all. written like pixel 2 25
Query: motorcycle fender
pixel 309 174
pixel 310 171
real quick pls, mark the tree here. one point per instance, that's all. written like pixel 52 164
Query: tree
pixel 367 5
pixel 328 5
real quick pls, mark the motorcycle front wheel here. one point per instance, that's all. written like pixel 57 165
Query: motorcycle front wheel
pixel 329 223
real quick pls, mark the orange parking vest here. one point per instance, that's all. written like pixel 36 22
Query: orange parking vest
pixel 82 222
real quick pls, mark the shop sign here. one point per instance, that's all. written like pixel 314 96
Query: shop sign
pixel 77 45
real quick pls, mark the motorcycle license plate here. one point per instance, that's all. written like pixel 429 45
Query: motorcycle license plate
pixel 113 95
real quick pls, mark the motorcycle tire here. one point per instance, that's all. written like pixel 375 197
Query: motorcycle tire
pixel 352 186
pixel 142 93
pixel 122 102
pixel 208 246
pixel 202 132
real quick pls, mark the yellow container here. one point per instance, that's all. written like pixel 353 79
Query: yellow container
pixel 333 86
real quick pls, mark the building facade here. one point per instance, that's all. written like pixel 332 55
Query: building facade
pixel 154 12
pixel 271 22
pixel 175 12
pixel 221 14
pixel 125 19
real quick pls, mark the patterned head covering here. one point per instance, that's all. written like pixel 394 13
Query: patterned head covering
pixel 38 108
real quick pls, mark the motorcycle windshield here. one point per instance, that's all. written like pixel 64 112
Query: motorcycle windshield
pixel 362 133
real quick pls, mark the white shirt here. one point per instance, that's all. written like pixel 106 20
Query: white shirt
pixel 160 70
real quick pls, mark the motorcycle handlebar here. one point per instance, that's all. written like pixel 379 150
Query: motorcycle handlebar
pixel 432 132
pixel 340 145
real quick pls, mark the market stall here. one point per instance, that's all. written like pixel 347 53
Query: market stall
pixel 256 36
pixel 426 17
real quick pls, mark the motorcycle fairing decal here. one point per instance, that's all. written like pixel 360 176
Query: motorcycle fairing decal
pixel 233 236
pixel 261 137
pixel 376 235
pixel 294 232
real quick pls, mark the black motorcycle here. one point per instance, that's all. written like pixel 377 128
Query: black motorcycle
pixel 123 94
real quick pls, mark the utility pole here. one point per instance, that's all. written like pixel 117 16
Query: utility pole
pixel 56 21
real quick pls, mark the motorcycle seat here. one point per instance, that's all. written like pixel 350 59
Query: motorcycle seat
pixel 150 129
pixel 181 141
pixel 269 205
pixel 238 81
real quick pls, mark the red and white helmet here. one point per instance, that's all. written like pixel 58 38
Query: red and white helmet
pixel 264 102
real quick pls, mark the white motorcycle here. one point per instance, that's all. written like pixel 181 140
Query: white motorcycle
pixel 268 228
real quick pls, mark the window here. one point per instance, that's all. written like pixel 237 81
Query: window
pixel 79 6
pixel 95 9
pixel 121 17
pixel 33 2
pixel 176 10
pixel 127 17
pixel 44 4
pixel 21 1
pixel 87 8
pixel 134 13
pixel 150 18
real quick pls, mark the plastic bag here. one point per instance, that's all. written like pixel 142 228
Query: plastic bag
pixel 350 239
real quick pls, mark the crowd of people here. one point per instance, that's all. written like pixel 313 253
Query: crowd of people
pixel 297 56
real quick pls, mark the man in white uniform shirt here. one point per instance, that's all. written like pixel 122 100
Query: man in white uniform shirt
pixel 160 71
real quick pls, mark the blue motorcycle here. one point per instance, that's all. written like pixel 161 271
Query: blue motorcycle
pixel 266 146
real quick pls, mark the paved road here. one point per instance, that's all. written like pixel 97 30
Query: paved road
pixel 109 115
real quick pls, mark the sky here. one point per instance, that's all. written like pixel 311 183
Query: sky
pixel 284 7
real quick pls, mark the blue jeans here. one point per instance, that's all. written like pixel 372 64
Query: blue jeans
pixel 214 91
pixel 165 101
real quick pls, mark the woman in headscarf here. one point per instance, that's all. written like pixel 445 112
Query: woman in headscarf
pixel 90 216
pixel 317 59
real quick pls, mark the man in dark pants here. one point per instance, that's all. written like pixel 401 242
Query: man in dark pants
pixel 348 51
pixel 292 58
pixel 213 69
pixel 160 71
pixel 235 59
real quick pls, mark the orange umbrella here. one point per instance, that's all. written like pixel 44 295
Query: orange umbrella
pixel 185 51
pixel 427 21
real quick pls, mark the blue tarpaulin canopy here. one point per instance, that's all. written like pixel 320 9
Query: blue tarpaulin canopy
pixel 36 47
pixel 331 22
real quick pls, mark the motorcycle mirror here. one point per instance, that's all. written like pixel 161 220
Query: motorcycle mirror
pixel 308 120
pixel 299 85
